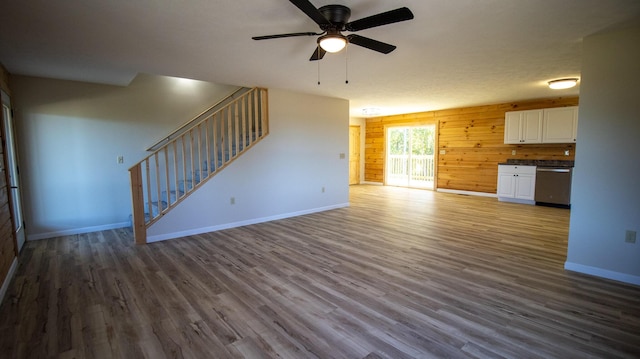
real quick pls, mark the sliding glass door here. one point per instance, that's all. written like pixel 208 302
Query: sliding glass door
pixel 410 156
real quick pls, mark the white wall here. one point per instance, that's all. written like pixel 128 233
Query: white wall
pixel 606 184
pixel 281 176
pixel 70 134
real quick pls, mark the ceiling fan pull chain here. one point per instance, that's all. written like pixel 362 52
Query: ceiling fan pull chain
pixel 318 49
pixel 346 64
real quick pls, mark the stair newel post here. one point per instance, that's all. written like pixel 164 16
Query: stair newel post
pixel 137 194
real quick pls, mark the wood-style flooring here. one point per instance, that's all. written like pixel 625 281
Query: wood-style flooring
pixel 401 273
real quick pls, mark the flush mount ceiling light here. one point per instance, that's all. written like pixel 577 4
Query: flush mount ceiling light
pixel 332 42
pixel 563 83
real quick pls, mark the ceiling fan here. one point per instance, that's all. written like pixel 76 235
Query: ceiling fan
pixel 333 20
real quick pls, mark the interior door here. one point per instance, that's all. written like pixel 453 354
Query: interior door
pixel 12 169
pixel 354 155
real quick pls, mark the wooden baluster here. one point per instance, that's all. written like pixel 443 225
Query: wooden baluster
pixel 229 134
pixel 166 172
pixel 215 140
pixel 264 125
pixel 208 146
pixel 236 129
pixel 158 185
pixel 176 169
pixel 199 166
pixel 254 120
pixel 191 144
pixel 148 175
pixel 243 120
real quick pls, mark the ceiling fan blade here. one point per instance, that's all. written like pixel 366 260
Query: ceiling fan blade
pixel 311 12
pixel 318 54
pixel 384 18
pixel 293 34
pixel 370 44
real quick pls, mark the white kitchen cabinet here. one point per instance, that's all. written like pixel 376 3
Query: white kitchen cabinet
pixel 523 127
pixel 517 183
pixel 560 125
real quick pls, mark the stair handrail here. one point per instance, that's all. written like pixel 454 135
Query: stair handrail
pixel 189 123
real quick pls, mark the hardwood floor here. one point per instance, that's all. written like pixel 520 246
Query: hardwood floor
pixel 399 274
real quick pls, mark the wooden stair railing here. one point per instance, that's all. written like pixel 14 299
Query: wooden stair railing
pixel 176 169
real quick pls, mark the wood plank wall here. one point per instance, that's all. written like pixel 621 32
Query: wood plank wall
pixel 473 139
pixel 7 238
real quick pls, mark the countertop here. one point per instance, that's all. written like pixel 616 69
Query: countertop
pixel 539 163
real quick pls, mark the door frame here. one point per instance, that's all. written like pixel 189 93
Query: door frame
pixel 436 146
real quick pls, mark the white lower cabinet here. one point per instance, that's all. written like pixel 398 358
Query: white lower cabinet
pixel 517 183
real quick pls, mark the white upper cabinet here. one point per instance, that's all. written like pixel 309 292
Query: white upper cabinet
pixel 560 125
pixel 550 125
pixel 523 126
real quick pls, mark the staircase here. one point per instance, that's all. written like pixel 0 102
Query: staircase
pixel 188 157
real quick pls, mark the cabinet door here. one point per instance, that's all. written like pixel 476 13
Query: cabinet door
pixel 560 125
pixel 506 184
pixel 512 127
pixel 532 126
pixel 525 186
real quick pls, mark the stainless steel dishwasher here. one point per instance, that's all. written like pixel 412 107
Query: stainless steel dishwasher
pixel 553 186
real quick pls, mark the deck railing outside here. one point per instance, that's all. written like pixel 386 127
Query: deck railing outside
pixel 404 169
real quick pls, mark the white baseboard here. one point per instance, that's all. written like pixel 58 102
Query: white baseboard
pixel 604 273
pixel 8 278
pixel 164 237
pixel 470 193
pixel 69 232
pixel 372 183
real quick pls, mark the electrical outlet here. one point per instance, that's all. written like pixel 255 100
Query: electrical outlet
pixel 566 152
pixel 443 152
pixel 232 200
pixel 513 152
pixel 322 189
pixel 630 236
pixel 342 156
pixel 120 160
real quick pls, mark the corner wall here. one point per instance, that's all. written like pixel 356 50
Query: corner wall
pixel 606 190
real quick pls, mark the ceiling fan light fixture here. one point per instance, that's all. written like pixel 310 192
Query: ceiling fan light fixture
pixel 561 84
pixel 332 42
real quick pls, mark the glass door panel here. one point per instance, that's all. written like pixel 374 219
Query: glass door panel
pixel 410 156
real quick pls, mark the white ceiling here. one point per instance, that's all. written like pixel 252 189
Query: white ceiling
pixel 454 53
